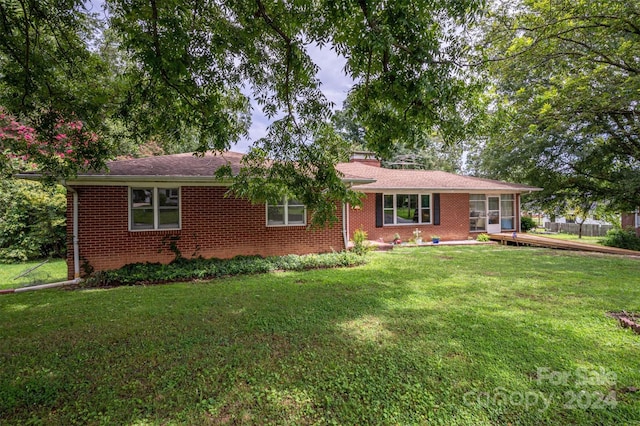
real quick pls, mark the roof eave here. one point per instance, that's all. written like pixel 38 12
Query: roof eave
pixel 124 179
pixel 358 181
pixel 127 179
pixel 447 190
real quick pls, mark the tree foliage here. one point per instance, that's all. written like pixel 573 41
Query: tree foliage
pixel 32 220
pixel 61 151
pixel 564 102
pixel 432 154
pixel 426 150
pixel 47 64
pixel 188 72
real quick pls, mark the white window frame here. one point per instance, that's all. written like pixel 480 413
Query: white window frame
pixel 156 207
pixel 286 215
pixel 513 217
pixel 478 217
pixel 395 209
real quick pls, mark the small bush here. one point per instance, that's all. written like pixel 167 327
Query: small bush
pixel 360 245
pixel 527 223
pixel 199 268
pixel 483 238
pixel 622 238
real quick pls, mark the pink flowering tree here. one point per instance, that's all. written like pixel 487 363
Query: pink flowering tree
pixel 63 150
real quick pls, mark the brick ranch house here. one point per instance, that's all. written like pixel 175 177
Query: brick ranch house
pixel 142 209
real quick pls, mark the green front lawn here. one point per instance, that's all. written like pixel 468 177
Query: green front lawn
pixel 434 335
pixel 52 271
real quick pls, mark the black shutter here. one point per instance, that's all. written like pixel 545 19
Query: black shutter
pixel 436 209
pixel 379 211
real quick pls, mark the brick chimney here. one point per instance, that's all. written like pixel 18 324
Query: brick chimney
pixel 365 157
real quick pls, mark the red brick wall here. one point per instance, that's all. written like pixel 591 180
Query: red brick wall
pixel 454 220
pixel 629 221
pixel 212 226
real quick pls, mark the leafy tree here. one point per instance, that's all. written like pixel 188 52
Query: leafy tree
pixel 173 71
pixel 49 69
pixel 347 128
pixel 433 154
pixel 62 151
pixel 425 151
pixel 564 102
pixel 32 220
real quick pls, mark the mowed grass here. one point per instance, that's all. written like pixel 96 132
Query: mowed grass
pixel 573 237
pixel 479 335
pixel 52 271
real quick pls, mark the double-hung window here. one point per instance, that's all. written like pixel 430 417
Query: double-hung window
pixel 154 208
pixel 286 212
pixel 401 209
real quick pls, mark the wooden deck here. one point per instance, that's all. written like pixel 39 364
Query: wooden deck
pixel 539 241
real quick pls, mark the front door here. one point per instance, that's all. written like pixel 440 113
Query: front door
pixel 493 214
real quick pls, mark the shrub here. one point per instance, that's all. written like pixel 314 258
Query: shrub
pixel 199 268
pixel 527 223
pixel 360 245
pixel 32 221
pixel 622 238
pixel 483 237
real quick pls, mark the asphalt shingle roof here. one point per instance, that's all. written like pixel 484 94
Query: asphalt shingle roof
pixel 364 177
pixel 173 165
pixel 399 179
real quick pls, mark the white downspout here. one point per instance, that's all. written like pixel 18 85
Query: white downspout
pixel 76 254
pixel 345 228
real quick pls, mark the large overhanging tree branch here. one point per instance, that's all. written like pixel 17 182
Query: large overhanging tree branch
pixel 52 96
pixel 566 78
pixel 191 70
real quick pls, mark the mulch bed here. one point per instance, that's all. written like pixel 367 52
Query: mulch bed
pixel 627 319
